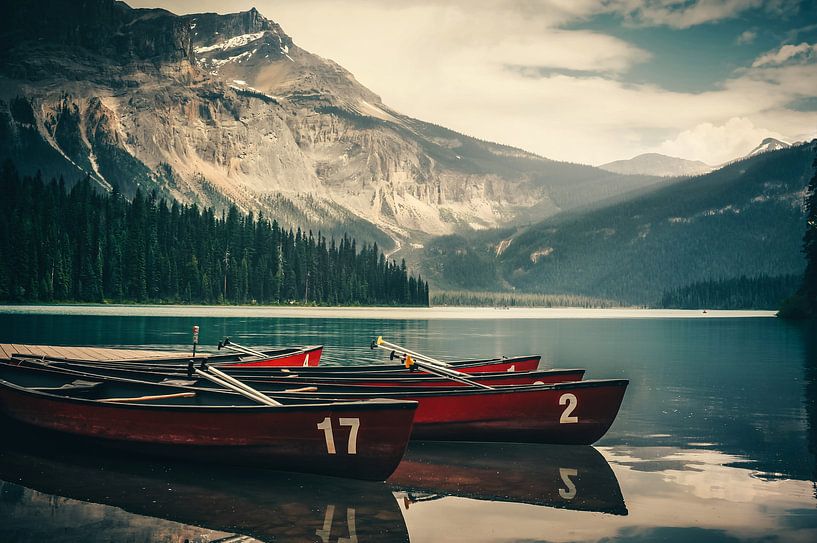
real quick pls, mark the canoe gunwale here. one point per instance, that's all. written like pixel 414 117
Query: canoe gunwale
pixel 367 404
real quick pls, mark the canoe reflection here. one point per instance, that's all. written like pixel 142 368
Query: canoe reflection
pixel 264 505
pixel 562 476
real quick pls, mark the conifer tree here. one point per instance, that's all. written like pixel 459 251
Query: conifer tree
pixel 809 288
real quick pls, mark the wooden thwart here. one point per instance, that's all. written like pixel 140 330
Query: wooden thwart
pixel 150 398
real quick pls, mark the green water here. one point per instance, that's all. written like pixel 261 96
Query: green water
pixel 716 438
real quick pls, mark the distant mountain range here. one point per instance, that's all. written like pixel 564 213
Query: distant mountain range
pixel 743 219
pixel 221 109
pixel 659 165
pixel 668 166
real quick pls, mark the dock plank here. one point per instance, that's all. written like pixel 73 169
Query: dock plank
pixel 85 352
pixel 21 349
pixel 5 350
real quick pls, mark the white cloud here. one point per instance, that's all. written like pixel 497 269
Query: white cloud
pixel 746 37
pixel 716 144
pixel 801 52
pixel 689 13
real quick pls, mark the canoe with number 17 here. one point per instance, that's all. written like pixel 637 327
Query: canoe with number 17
pixel 359 439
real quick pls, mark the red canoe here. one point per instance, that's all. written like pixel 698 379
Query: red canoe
pixel 568 413
pixel 306 360
pixel 574 413
pixel 416 379
pixel 272 379
pixel 291 357
pixel 363 440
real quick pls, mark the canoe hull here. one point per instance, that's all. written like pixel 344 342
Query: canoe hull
pixel 305 357
pixel 577 413
pixel 424 380
pixel 285 438
pixel 522 416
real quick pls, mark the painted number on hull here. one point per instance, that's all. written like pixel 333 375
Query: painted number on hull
pixel 572 402
pixel 326 532
pixel 354 426
pixel 570 492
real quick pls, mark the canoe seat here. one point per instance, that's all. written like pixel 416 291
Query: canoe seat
pixel 179 382
pixel 77 385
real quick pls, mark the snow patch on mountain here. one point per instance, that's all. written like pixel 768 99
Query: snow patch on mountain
pixel 768 144
pixel 231 43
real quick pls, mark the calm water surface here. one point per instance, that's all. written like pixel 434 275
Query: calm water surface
pixel 715 441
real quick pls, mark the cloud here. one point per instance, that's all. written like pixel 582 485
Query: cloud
pixel 516 73
pixel 803 52
pixel 716 144
pixel 681 14
pixel 746 37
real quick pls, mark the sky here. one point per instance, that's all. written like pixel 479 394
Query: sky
pixel 574 80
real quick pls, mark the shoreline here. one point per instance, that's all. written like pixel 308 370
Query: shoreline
pixel 384 313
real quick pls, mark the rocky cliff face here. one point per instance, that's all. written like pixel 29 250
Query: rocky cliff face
pixel 226 108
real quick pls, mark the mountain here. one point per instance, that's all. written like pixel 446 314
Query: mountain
pixel 658 165
pixel 227 109
pixel 743 219
pixel 768 144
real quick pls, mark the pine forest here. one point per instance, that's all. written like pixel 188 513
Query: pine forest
pixel 85 246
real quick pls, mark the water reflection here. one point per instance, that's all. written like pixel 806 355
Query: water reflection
pixel 263 505
pixel 809 337
pixel 567 477
pixel 716 439
pixel 672 494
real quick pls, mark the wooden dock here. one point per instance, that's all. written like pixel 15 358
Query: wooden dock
pixel 84 353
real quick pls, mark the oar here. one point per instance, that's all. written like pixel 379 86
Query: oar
pixel 227 344
pixel 222 379
pixel 383 344
pixel 429 364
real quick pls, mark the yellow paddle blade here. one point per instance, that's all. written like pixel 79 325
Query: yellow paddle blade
pixel 380 340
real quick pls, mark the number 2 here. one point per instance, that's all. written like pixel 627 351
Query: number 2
pixel 354 426
pixel 572 402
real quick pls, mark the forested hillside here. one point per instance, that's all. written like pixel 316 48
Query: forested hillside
pixel 81 245
pixel 762 292
pixel 746 219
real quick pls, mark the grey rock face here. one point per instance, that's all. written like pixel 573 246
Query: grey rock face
pixel 220 109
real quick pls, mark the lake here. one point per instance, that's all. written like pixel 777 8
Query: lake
pixel 715 441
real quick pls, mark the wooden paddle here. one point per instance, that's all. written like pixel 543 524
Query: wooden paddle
pixel 224 380
pixel 429 364
pixel 227 344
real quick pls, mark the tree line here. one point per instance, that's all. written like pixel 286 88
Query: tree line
pixel 803 304
pixel 503 300
pixel 81 245
pixel 759 292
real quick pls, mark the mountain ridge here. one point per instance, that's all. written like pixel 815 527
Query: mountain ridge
pixel 221 109
pixel 745 219
pixel 659 165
